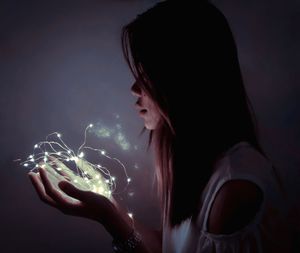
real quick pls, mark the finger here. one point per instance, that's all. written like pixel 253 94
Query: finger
pixel 58 169
pixel 89 170
pixel 65 175
pixel 53 168
pixel 73 191
pixel 52 174
pixel 36 181
pixel 52 192
pixel 84 166
pixel 67 172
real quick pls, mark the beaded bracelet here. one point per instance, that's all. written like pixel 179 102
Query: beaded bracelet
pixel 127 246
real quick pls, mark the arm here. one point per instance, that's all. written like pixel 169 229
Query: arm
pixel 234 207
pixel 151 238
pixel 96 207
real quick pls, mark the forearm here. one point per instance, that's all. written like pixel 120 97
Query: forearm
pixel 120 227
pixel 152 238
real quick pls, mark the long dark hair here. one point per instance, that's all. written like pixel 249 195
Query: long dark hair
pixel 183 55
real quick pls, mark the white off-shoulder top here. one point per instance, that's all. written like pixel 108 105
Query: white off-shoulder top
pixel 269 232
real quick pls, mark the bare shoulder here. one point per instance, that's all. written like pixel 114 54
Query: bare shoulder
pixel 234 207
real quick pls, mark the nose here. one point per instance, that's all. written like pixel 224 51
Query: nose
pixel 136 90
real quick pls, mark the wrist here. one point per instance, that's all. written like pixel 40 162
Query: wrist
pixel 117 225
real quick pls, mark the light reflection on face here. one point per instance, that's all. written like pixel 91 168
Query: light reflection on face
pixel 146 107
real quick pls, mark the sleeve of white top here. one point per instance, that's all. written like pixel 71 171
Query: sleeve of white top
pixel 247 239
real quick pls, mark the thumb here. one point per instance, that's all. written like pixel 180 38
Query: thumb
pixel 72 191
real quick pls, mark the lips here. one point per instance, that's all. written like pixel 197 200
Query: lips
pixel 143 112
pixel 140 108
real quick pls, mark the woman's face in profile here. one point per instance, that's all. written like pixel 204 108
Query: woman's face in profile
pixel 146 107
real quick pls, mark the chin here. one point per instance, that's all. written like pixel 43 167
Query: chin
pixel 149 127
pixel 151 123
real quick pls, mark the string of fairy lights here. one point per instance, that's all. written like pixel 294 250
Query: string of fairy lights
pixel 55 156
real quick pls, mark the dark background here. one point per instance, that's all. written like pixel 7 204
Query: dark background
pixel 61 67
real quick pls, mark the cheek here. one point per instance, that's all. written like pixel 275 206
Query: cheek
pixel 152 118
pixel 155 117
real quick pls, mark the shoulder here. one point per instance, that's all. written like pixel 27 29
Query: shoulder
pixel 234 207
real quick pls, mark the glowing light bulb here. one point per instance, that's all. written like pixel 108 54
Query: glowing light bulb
pixel 129 180
pixel 74 158
pixel 130 215
pixel 31 156
pixel 59 169
pixel 69 151
pixel 103 152
pixel 46 153
pixel 58 135
pixel 26 164
pixel 113 178
pixel 59 153
pixel 81 155
pixel 36 146
pixel 91 125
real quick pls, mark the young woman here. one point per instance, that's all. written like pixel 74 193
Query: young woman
pixel 218 191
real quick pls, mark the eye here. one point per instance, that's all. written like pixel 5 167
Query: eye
pixel 136 90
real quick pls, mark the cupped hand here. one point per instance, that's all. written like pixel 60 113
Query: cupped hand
pixel 72 201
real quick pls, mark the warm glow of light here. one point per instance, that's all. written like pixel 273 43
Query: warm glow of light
pixel 52 154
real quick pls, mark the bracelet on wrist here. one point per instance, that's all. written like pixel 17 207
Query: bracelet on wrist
pixel 129 245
